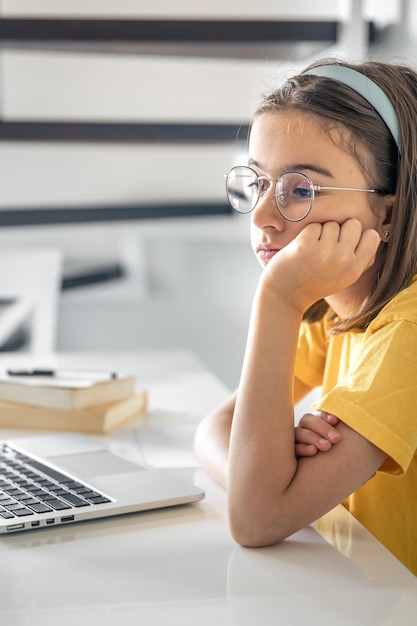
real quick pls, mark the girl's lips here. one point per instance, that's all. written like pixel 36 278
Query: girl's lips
pixel 265 253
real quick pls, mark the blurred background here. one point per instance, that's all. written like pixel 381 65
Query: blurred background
pixel 118 121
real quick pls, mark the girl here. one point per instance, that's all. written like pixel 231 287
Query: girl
pixel 331 186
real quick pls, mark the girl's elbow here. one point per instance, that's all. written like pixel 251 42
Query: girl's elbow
pixel 253 532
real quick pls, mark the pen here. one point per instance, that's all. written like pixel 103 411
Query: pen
pixel 60 373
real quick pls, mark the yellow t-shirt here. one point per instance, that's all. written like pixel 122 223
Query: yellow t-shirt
pixel 369 381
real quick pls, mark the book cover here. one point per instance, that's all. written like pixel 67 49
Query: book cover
pixel 96 419
pixel 69 393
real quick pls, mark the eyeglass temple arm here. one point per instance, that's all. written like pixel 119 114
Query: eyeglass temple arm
pixel 320 188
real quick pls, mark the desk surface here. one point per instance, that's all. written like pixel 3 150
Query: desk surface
pixel 180 565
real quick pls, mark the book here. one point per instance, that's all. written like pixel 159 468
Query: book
pixel 97 419
pixel 78 390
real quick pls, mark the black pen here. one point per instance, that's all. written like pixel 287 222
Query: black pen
pixel 61 373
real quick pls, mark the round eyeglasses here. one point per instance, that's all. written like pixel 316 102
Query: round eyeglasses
pixel 293 193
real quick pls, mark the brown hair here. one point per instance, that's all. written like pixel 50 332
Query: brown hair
pixel 334 104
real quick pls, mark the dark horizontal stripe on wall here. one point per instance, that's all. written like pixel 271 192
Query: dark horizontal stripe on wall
pixel 122 132
pixel 180 31
pixel 92 276
pixel 82 215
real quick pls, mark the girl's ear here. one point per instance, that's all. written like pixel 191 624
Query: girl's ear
pixel 386 214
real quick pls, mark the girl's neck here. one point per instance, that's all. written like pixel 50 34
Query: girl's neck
pixel 348 302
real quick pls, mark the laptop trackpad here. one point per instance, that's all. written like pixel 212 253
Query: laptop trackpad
pixel 91 464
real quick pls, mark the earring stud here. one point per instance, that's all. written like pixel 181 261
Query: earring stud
pixel 386 234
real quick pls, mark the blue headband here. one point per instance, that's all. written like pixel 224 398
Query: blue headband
pixel 366 88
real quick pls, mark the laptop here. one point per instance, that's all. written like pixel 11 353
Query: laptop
pixel 61 478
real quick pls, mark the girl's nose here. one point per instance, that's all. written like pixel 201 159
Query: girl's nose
pixel 266 214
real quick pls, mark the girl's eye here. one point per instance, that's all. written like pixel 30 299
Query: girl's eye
pixel 302 192
pixel 263 185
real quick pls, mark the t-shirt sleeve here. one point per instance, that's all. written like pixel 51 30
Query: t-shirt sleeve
pixel 311 354
pixel 378 395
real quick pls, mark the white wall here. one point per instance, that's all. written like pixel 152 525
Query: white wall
pixel 167 8
pixel 190 282
pixel 198 297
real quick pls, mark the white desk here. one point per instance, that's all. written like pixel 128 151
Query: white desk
pixel 180 565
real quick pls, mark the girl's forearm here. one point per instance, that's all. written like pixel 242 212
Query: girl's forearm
pixel 212 441
pixel 262 461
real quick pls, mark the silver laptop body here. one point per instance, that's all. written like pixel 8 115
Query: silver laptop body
pixel 47 480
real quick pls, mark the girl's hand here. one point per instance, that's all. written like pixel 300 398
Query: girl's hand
pixel 322 260
pixel 315 433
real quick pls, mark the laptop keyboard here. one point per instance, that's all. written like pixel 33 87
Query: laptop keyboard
pixel 28 486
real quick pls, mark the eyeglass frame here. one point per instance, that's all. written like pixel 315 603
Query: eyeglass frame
pixel 271 180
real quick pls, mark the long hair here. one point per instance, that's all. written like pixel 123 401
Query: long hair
pixel 371 143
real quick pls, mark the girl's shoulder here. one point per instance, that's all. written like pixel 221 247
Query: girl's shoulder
pixel 403 307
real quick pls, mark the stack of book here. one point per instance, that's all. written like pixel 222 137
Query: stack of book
pixel 92 402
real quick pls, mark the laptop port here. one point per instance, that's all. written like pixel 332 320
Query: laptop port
pixel 15 527
pixel 67 518
pixel 50 521
pixel 33 524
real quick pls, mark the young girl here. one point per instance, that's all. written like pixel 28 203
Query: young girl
pixel 331 186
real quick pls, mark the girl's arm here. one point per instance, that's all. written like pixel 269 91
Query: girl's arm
pixel 212 438
pixel 272 493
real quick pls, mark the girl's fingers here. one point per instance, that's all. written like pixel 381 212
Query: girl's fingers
pixel 318 425
pixel 328 417
pixel 304 449
pixel 307 437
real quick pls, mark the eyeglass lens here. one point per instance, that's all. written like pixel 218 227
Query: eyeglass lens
pixel 293 192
